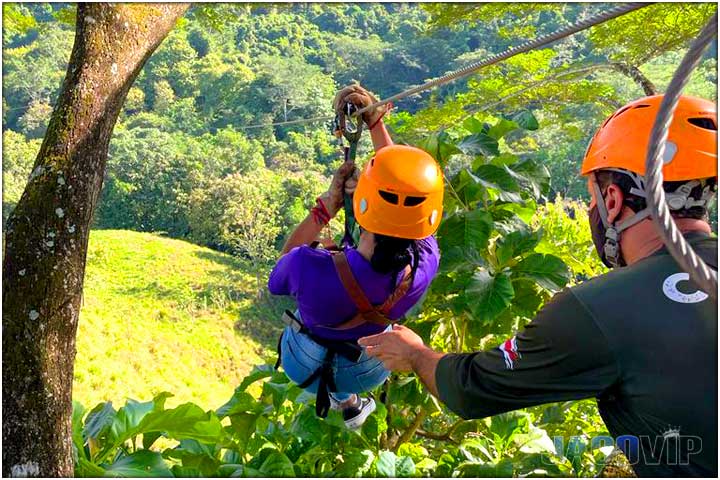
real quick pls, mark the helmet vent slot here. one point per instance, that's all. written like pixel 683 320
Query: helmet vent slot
pixel 706 123
pixel 389 197
pixel 413 201
pixel 644 105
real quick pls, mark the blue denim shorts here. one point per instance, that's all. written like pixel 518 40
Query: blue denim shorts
pixel 301 356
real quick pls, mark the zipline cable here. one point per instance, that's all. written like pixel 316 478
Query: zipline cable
pixel 522 48
pixel 700 273
pixel 475 66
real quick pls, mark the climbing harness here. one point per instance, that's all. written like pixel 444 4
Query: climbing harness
pixel 350 128
pixel 367 313
pixel 350 350
pixel 475 66
pixel 704 276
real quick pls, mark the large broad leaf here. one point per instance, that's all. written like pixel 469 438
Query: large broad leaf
pixel 143 463
pixel 467 187
pixel 489 295
pixel 503 469
pixel 77 428
pixel 277 465
pixel 258 373
pixel 525 119
pixel 535 175
pixel 241 401
pixel 547 270
pixel 439 146
pixel 479 144
pixel 502 128
pixel 355 464
pixel 391 466
pixel 98 421
pixel 455 258
pixel 492 176
pixel 130 416
pixel 466 229
pixel 514 244
pixel 473 125
pixel 242 426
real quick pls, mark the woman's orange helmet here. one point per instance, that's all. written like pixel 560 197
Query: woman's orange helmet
pixel 691 151
pixel 400 193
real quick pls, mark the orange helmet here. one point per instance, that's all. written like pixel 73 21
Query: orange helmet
pixel 400 193
pixel 690 154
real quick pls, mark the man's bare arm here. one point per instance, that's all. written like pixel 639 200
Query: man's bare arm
pixel 424 363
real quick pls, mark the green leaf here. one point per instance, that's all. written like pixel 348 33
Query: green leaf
pixel 492 176
pixel 98 421
pixel 355 464
pixel 467 187
pixel 405 467
pixel 77 427
pixel 143 463
pixel 258 373
pixel 514 244
pixel 277 465
pixel 547 270
pixel 439 146
pixel 386 464
pixel 525 119
pixel 503 469
pixel 502 128
pixel 489 295
pixel 479 144
pixel 535 175
pixel 242 426
pixel 473 125
pixel 241 401
pixel 506 425
pixel 86 469
pixel 466 229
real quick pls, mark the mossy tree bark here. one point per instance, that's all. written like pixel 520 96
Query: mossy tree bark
pixel 47 234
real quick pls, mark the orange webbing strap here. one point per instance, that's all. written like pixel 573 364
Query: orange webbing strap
pixel 366 311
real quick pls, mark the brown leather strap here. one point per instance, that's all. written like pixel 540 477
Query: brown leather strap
pixel 398 293
pixel 367 313
pixel 351 285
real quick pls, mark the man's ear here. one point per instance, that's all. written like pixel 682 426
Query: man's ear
pixel 614 199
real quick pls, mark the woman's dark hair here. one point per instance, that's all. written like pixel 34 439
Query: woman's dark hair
pixel 392 254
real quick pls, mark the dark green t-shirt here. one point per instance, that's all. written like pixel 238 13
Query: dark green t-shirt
pixel 641 339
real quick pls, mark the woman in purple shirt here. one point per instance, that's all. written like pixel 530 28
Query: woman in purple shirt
pixel 343 296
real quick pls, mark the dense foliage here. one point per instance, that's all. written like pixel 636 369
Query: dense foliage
pixel 184 162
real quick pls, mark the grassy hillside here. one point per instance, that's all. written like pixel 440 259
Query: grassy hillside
pixel 163 314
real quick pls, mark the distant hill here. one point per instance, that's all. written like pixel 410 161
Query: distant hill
pixel 162 314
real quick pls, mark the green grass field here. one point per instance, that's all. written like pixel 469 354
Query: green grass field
pixel 167 315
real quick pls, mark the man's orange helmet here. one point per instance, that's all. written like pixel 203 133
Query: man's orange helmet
pixel 691 151
pixel 400 193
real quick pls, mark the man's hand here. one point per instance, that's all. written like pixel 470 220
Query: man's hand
pixel 397 349
pixel 344 181
pixel 361 98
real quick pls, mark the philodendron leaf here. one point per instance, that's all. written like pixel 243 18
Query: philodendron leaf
pixel 142 463
pixel 489 295
pixel 525 119
pixel 547 270
pixel 479 144
pixel 98 421
pixel 466 229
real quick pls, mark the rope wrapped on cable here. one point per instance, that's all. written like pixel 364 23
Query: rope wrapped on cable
pixel 700 273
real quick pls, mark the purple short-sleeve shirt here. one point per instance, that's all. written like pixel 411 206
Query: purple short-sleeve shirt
pixel 309 276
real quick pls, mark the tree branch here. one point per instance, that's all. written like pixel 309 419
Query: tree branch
pixel 410 432
pixel 445 437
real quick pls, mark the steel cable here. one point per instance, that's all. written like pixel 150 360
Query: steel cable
pixel 699 272
pixel 473 67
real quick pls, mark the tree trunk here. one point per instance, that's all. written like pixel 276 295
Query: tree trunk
pixel 47 234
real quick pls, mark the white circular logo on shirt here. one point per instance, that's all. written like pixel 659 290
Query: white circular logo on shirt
pixel 671 291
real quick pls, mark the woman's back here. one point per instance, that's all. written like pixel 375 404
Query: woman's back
pixel 309 276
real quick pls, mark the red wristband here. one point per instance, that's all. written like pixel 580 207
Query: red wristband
pixel 389 106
